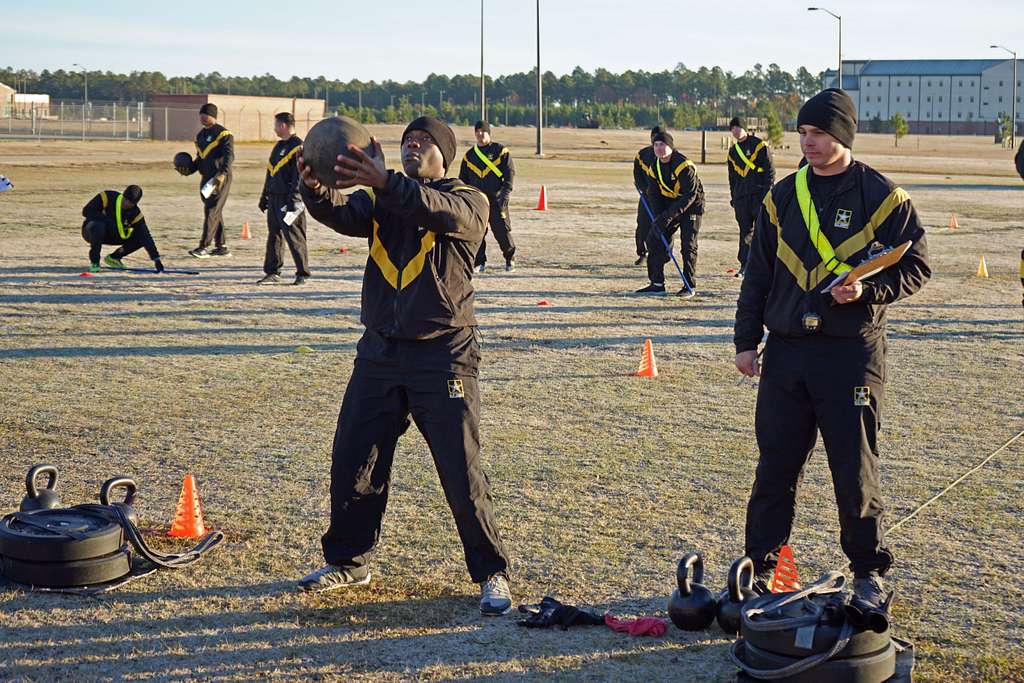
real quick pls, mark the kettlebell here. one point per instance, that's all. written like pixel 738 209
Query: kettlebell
pixel 40 499
pixel 131 490
pixel 692 606
pixel 741 589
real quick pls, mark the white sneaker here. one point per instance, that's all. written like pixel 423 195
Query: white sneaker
pixel 495 596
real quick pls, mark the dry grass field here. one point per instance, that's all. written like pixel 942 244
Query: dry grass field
pixel 602 480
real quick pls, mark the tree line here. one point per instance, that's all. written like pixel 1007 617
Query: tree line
pixel 680 97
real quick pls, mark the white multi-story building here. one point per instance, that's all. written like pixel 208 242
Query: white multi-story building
pixel 942 96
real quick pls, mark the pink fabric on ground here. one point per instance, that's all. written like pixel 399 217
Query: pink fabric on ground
pixel 644 626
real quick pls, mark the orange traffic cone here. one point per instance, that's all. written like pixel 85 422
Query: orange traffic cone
pixel 648 368
pixel 785 578
pixel 982 268
pixel 542 201
pixel 246 235
pixel 953 224
pixel 188 518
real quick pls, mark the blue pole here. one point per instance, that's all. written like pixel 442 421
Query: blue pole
pixel 664 240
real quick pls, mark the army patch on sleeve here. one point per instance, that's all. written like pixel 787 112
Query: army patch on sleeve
pixel 455 389
pixel 843 218
pixel 862 396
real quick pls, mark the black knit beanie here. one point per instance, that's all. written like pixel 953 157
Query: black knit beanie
pixel 210 109
pixel 285 117
pixel 482 125
pixel 664 136
pixel 832 111
pixel 656 130
pixel 737 122
pixel 439 130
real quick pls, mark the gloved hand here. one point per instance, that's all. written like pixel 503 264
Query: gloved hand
pixel 551 612
pixel 263 204
pixel 660 222
pixel 159 265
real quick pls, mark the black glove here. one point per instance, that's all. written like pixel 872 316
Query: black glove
pixel 551 612
pixel 159 265
pixel 660 222
pixel 263 204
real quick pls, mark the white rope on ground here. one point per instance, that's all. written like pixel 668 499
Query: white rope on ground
pixel 959 479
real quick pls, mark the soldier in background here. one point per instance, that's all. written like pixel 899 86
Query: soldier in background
pixel 215 154
pixel 488 167
pixel 280 200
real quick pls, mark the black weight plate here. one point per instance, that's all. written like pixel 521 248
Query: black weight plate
pixel 22 539
pixel 825 635
pixel 871 668
pixel 87 572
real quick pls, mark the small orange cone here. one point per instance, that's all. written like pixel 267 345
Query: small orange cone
pixel 953 224
pixel 785 578
pixel 648 368
pixel 188 518
pixel 542 201
pixel 246 235
pixel 982 268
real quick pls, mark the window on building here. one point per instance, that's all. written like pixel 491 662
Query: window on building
pixel 940 84
pixel 1000 84
pixel 972 84
pixel 910 98
pixel 960 84
pixel 972 98
pixel 898 83
pixel 928 99
pixel 927 114
pixel 959 98
pixel 959 115
pixel 929 84
pixel 940 98
pixel 1000 98
pixel 897 98
pixel 940 114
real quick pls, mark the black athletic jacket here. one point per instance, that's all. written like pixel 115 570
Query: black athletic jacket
pixel 1019 161
pixel 784 274
pixel 475 172
pixel 215 152
pixel 282 177
pixel 673 189
pixel 104 207
pixel 744 180
pixel 423 241
pixel 643 167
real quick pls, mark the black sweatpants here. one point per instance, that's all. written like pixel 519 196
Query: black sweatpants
pixel 746 209
pixel 643 226
pixel 434 381
pixel 833 385
pixel 657 256
pixel 278 233
pixel 98 232
pixel 213 216
pixel 501 227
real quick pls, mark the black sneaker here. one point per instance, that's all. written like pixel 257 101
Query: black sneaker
pixel 201 252
pixel 330 577
pixel 685 293
pixel 221 251
pixel 640 260
pixel 300 279
pixel 269 279
pixel 653 288
pixel 510 265
pixel 869 605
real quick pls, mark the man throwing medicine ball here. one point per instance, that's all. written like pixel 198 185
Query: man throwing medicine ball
pixel 419 355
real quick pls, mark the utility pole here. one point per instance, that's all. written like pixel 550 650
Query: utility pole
pixel 540 93
pixel 1013 97
pixel 483 99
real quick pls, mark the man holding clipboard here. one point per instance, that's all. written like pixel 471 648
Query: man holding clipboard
pixel 824 358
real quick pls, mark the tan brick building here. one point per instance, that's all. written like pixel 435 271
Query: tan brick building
pixel 176 117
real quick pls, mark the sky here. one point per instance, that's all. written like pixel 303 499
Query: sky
pixel 404 40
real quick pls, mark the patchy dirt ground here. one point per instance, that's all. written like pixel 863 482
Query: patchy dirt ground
pixel 602 480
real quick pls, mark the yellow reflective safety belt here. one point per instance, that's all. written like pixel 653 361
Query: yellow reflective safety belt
pixel 487 162
pixel 210 147
pixel 665 189
pixel 124 230
pixel 818 238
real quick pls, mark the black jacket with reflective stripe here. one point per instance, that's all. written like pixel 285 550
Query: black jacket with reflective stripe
pixel 476 173
pixel 784 275
pixel 103 207
pixel 643 168
pixel 282 176
pixel 745 181
pixel 423 239
pixel 215 152
pixel 684 194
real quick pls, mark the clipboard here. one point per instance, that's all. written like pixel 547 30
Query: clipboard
pixel 869 267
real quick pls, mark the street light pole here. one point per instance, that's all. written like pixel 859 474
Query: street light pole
pixel 839 73
pixel 540 92
pixel 1013 97
pixel 483 99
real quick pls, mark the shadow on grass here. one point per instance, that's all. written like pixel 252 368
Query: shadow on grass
pixel 163 351
pixel 357 632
